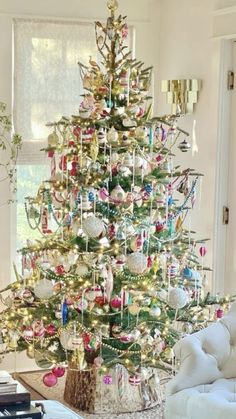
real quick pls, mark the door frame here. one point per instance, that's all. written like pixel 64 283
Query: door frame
pixel 222 63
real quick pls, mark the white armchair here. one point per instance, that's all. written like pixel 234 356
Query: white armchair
pixel 205 386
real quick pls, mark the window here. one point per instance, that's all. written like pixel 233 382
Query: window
pixel 47 85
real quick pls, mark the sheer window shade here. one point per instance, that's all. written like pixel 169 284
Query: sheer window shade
pixel 47 83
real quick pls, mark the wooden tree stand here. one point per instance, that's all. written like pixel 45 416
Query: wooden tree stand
pixel 86 391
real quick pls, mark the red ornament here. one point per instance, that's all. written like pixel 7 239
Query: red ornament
pixel 159 226
pixel 50 154
pixel 59 270
pixel 58 371
pixel 49 379
pixel 100 300
pixel 73 171
pixel 202 251
pixel 77 131
pixel 51 329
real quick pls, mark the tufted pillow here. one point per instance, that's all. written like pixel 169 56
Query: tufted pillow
pixel 202 356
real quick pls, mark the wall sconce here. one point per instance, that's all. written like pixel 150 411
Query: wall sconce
pixel 181 94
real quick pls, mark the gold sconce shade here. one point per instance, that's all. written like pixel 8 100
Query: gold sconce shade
pixel 181 94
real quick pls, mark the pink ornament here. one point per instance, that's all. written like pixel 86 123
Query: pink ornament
pixel 39 329
pixel 28 333
pixel 219 313
pixel 63 163
pixel 107 379
pixel 116 303
pixel 58 371
pixel 98 361
pixel 202 251
pixel 49 379
pixel 134 380
pixel 103 194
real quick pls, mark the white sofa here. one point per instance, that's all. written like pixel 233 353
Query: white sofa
pixel 205 385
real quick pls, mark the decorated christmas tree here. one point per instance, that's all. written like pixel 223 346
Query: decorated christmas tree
pixel 116 279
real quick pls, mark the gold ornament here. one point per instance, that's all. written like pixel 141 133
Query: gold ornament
pixel 94 148
pixel 53 139
pixel 78 356
pixel 30 352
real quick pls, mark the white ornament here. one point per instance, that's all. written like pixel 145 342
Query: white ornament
pixel 128 160
pixel 163 294
pixel 138 162
pixel 112 135
pixel 177 298
pixel 66 338
pixel 114 157
pixel 155 311
pixel 137 263
pixel 93 226
pixel 118 194
pixel 43 289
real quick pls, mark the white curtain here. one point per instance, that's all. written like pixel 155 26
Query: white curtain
pixel 47 82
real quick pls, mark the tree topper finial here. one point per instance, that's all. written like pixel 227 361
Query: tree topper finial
pixel 112 5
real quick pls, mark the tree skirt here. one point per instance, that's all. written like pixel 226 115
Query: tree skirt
pixel 34 380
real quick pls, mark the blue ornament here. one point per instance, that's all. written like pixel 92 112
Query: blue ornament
pixel 187 273
pixel 170 200
pixel 91 196
pixel 148 188
pixel 64 312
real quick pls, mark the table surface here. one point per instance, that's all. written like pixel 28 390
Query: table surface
pixel 56 410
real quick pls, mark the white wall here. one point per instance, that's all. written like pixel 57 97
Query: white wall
pixel 186 52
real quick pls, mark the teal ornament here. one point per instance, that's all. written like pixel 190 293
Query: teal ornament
pixel 171 227
pixel 187 273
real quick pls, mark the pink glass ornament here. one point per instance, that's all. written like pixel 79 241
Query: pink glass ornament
pixel 107 379
pixel 202 251
pixel 49 379
pixel 58 371
pixel 28 333
pixel 219 313
pixel 116 302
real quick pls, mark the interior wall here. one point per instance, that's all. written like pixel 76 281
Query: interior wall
pixel 185 51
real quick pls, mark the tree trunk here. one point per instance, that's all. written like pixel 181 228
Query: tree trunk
pixel 80 389
pixel 86 390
